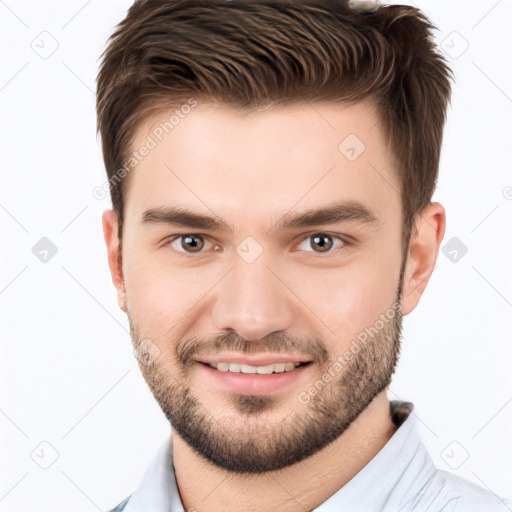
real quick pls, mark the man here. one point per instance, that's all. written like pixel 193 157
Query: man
pixel 271 167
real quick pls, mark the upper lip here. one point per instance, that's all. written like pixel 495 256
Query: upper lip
pixel 255 360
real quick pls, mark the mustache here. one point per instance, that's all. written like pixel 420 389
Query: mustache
pixel 198 346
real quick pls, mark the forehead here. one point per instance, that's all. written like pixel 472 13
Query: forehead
pixel 264 161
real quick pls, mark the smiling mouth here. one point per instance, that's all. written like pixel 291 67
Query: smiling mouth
pixel 260 370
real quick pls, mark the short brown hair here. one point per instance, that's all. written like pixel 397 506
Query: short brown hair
pixel 248 54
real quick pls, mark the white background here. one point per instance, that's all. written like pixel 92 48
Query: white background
pixel 68 376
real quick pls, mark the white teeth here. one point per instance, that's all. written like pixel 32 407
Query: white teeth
pixel 223 367
pixel 234 367
pixel 263 370
pixel 281 367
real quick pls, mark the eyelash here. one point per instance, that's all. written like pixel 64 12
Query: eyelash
pixel 345 242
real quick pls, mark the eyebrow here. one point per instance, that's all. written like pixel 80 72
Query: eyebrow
pixel 330 214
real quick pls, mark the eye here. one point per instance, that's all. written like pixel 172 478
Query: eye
pixel 324 242
pixel 188 243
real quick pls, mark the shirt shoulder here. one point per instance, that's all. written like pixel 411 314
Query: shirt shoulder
pixel 471 497
pixel 121 506
pixel 447 492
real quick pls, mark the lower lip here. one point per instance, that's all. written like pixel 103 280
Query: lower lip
pixel 254 383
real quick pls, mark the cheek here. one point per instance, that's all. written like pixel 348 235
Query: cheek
pixel 161 296
pixel 351 298
pixel 152 294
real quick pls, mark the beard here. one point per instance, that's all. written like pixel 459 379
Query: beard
pixel 250 447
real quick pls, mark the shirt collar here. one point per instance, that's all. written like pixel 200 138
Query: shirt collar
pixel 158 490
pixel 370 489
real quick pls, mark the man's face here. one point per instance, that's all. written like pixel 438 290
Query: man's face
pixel 259 288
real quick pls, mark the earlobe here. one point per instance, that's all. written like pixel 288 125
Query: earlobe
pixel 112 242
pixel 427 235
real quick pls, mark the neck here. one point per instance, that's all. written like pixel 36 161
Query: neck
pixel 302 486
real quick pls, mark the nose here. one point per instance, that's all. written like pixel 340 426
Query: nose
pixel 252 301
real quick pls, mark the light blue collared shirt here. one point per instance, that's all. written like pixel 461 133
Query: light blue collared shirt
pixel 400 478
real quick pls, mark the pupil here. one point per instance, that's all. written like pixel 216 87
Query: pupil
pixel 320 240
pixel 190 240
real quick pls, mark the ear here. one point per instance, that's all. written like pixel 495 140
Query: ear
pixel 110 233
pixel 426 236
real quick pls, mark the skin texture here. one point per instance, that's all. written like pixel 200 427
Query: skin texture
pixel 302 295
